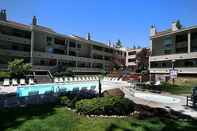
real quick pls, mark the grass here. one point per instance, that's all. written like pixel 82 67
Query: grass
pixel 182 85
pixel 177 89
pixel 53 118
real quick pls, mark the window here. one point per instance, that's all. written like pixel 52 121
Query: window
pixel 132 53
pixel 167 42
pixel 72 53
pixel 60 41
pixel 72 44
pixel 78 45
pixel 131 60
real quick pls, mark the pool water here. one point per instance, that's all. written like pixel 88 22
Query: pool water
pixel 54 87
pixel 157 98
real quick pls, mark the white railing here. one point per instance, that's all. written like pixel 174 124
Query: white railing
pixel 189 70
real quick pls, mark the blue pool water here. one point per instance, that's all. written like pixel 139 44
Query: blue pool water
pixel 54 87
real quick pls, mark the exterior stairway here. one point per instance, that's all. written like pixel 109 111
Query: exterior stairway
pixel 42 77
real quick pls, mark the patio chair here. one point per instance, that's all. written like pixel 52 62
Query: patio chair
pixel 87 78
pixel 157 83
pixel 6 82
pixel 75 79
pixel 61 80
pixel 22 82
pixel 14 82
pixel 83 78
pixel 70 79
pixel 56 80
pixel 65 79
pixel 79 78
pixel 31 81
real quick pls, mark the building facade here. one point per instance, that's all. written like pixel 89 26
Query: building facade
pixel 173 48
pixel 48 50
pixel 137 59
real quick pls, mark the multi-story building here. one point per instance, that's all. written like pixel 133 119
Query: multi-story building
pixel 173 48
pixel 48 50
pixel 137 59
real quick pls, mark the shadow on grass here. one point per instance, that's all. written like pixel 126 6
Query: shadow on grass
pixel 14 117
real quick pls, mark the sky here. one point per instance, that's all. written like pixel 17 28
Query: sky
pixel 127 20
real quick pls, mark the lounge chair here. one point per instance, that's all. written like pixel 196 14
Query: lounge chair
pixel 71 79
pixel 90 78
pixel 157 83
pixel 14 82
pixel 56 80
pixel 83 78
pixel 65 79
pixel 61 80
pixel 22 82
pixel 79 79
pixel 31 81
pixel 87 78
pixel 75 79
pixel 6 82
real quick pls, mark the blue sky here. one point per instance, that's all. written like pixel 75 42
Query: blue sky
pixel 127 20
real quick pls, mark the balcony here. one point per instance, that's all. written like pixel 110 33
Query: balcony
pixel 14 53
pixel 83 69
pixel 174 57
pixel 14 39
pixel 67 57
pixel 192 70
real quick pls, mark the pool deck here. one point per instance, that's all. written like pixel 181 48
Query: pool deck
pixel 180 107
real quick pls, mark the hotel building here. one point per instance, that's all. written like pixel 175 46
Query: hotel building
pixel 137 59
pixel 48 50
pixel 173 48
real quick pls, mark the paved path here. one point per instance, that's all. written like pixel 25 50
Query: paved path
pixel 180 107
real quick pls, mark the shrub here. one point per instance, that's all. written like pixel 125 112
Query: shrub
pixel 4 74
pixel 105 106
pixel 64 100
pixel 73 97
pixel 113 92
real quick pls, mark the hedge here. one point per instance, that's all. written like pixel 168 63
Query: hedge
pixel 111 105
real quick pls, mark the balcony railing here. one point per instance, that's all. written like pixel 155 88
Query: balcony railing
pixel 14 39
pixel 192 70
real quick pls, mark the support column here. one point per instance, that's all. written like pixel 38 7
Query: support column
pixel 67 48
pixel 32 45
pixel 189 42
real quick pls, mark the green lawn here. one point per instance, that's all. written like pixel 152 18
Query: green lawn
pixel 53 118
pixel 177 89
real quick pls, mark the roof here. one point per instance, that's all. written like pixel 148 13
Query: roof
pixel 169 31
pixel 15 24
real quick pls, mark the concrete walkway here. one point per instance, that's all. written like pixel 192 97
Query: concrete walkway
pixel 180 106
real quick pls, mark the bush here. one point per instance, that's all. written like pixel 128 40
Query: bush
pixel 4 74
pixel 70 98
pixel 105 106
pixel 64 100
pixel 113 92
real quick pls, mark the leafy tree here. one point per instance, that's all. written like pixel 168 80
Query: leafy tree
pixel 18 68
pixel 178 24
pixel 118 44
pixel 134 47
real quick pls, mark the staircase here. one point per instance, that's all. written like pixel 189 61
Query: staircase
pixel 42 77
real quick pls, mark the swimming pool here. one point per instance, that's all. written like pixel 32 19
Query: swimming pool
pixel 54 87
pixel 157 98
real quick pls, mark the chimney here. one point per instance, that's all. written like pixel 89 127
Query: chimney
pixel 34 21
pixel 88 36
pixel 174 26
pixel 109 43
pixel 3 15
pixel 153 30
